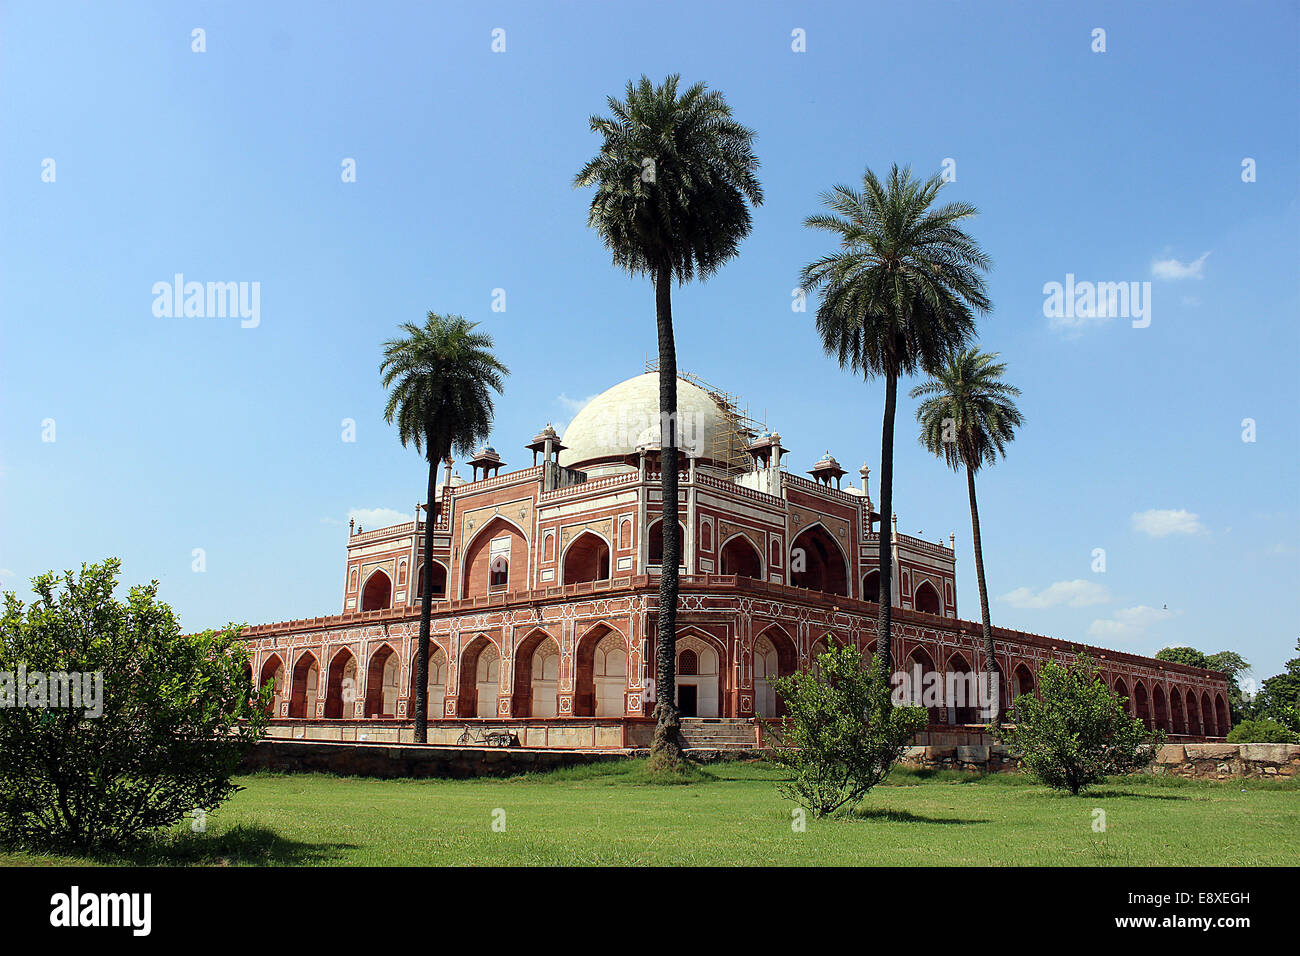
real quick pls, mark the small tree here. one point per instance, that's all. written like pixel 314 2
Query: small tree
pixel 842 734
pixel 1077 732
pixel 1263 731
pixel 172 717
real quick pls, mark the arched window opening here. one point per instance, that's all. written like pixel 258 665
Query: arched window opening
pixel 817 563
pixel 587 559
pixel 740 557
pixel 926 599
pixel 656 542
pixel 378 592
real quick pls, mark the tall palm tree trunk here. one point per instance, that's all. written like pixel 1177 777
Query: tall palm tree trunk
pixel 666 743
pixel 990 660
pixel 884 647
pixel 426 610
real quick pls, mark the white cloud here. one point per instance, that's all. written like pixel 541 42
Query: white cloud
pixel 1160 522
pixel 1128 623
pixel 6 573
pixel 1076 593
pixel 573 405
pixel 1172 269
pixel 373 518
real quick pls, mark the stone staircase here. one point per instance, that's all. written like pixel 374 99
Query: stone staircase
pixel 717 733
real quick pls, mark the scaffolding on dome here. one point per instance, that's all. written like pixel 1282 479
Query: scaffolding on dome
pixel 735 430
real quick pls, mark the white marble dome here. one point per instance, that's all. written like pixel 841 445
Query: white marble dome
pixel 619 419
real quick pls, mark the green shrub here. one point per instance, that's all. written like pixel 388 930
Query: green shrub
pixel 174 715
pixel 842 734
pixel 1262 732
pixel 1077 733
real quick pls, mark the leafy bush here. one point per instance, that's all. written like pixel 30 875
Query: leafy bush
pixel 1262 732
pixel 842 734
pixel 176 714
pixel 1078 732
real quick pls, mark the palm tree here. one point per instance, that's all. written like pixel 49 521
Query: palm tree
pixel 968 417
pixel 441 378
pixel 899 294
pixel 674 179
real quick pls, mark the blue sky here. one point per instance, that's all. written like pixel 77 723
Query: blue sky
pixel 172 434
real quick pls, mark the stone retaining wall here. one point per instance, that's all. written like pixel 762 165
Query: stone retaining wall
pixel 1223 761
pixel 1201 761
pixel 412 760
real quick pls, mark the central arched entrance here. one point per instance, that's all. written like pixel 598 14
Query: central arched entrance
pixel 699 678
pixel 377 593
pixel 817 563
pixel 740 557
pixel 586 559
pixel 926 599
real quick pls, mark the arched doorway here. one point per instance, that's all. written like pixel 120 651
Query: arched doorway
pixel 600 685
pixel 586 559
pixel 961 692
pixel 436 686
pixel 537 677
pixel 1176 716
pixel 1024 680
pixel 1193 715
pixel 1161 708
pixel 439 592
pixel 341 686
pixel 377 593
pixel 306 681
pixel 1121 691
pixel 1207 716
pixel 487 681
pixel 1142 704
pixel 656 542
pixel 817 563
pixel 1222 720
pixel 871 586
pixel 740 557
pixel 381 683
pixel 273 673
pixel 926 599
pixel 699 687
pixel 774 656
pixel 923 683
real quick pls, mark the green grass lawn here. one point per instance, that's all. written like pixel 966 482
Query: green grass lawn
pixel 608 814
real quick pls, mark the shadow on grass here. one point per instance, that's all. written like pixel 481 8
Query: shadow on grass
pixel 239 846
pixel 904 816
pixel 1116 794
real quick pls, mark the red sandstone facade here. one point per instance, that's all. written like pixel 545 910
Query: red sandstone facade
pixel 545 593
